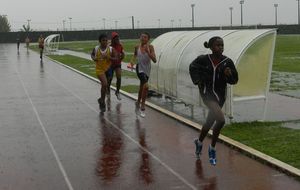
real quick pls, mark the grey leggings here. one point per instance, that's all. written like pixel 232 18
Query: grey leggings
pixel 215 115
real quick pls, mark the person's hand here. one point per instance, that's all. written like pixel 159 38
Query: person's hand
pixel 131 66
pixel 147 50
pixel 227 72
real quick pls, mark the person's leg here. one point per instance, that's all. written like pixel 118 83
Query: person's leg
pixel 218 115
pixel 144 95
pixel 206 126
pixel 109 76
pixel 41 53
pixel 138 102
pixel 220 121
pixel 118 75
pixel 103 81
pixel 142 82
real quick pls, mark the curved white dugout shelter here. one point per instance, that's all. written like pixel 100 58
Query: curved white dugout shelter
pixel 52 43
pixel 251 50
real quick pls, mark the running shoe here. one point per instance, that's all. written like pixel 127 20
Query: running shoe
pixel 118 95
pixel 198 148
pixel 142 113
pixel 102 105
pixel 212 156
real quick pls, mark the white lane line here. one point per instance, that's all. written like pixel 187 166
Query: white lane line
pixel 125 134
pixel 63 171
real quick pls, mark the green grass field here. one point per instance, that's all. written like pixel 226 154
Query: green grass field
pixel 287 53
pixel 268 137
pixel 87 47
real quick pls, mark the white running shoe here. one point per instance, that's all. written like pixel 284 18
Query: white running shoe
pixel 142 113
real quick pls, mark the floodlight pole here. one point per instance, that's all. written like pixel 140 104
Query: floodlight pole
pixel 28 22
pixel 298 11
pixel 276 6
pixel 70 18
pixel 158 23
pixel 231 8
pixel 172 21
pixel 64 25
pixel 103 23
pixel 132 22
pixel 116 24
pixel 242 2
pixel 193 19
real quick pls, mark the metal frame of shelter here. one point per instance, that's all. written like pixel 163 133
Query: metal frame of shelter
pixel 52 43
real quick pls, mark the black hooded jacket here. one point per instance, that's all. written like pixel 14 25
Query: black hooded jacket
pixel 211 79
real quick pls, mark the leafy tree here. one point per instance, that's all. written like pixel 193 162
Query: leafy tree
pixel 26 28
pixel 4 24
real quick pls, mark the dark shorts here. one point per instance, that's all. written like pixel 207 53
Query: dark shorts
pixel 110 72
pixel 114 67
pixel 143 77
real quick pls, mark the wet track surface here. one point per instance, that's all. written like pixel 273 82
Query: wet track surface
pixel 53 137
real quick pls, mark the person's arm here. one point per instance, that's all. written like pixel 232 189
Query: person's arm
pixel 122 56
pixel 198 70
pixel 231 73
pixel 113 55
pixel 93 55
pixel 151 53
pixel 133 58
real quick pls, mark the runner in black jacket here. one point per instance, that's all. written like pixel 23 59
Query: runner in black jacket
pixel 212 73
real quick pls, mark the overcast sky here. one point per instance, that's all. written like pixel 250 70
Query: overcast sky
pixel 89 14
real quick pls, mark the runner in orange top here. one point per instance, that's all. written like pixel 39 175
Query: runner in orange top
pixel 116 65
pixel 103 54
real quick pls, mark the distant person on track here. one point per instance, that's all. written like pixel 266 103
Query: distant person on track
pixel 143 54
pixel 41 45
pixel 103 54
pixel 27 41
pixel 211 73
pixel 116 64
pixel 18 44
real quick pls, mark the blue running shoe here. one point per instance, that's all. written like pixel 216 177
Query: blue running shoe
pixel 198 148
pixel 212 156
